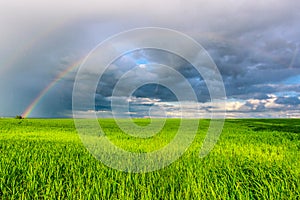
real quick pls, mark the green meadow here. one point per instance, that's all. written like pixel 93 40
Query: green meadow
pixel 253 159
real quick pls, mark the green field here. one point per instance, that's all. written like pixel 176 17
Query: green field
pixel 253 159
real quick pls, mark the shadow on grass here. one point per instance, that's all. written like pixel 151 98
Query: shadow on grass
pixel 279 125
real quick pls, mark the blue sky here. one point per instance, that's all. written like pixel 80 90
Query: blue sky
pixel 255 45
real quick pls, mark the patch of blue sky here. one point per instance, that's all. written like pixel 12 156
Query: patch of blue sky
pixel 292 80
pixel 287 94
pixel 141 61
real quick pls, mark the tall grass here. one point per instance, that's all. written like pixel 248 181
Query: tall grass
pixel 253 159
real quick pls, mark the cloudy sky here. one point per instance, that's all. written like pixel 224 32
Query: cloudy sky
pixel 255 45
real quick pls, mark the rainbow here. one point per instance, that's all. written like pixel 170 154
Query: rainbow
pixel 59 77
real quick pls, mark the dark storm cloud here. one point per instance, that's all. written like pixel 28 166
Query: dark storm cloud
pixel 247 69
pixel 288 100
pixel 126 63
pixel 260 91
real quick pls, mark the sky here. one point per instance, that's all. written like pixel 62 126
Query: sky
pixel 255 46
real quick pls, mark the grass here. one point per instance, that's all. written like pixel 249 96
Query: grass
pixel 253 159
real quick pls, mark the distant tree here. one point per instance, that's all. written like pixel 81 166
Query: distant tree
pixel 19 117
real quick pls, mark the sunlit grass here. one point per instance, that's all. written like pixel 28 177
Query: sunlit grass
pixel 253 159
